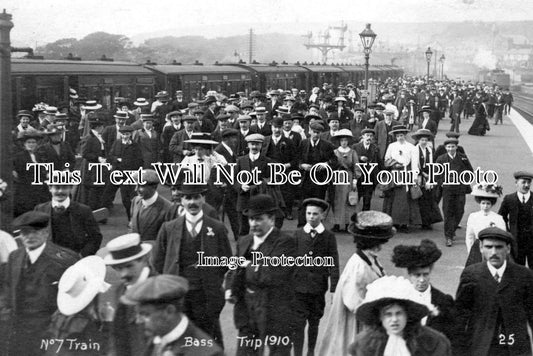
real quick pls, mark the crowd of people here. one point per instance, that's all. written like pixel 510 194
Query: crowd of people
pixel 177 267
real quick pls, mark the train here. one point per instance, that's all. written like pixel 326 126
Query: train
pixel 44 80
pixel 495 76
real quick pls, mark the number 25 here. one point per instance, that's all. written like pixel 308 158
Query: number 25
pixel 510 339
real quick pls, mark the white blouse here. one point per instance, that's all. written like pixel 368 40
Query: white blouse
pixel 478 221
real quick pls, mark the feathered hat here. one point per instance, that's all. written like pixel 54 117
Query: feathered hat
pixel 412 256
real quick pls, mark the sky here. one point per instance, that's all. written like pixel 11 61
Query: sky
pixel 41 21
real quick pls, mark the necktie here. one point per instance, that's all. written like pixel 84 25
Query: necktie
pixel 497 277
pixel 59 209
pixel 193 231
pixel 313 233
pixel 523 199
pixel 378 265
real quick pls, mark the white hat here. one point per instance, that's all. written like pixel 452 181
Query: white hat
pixel 80 283
pixel 125 248
pixel 141 102
pixel 91 105
pixel 73 94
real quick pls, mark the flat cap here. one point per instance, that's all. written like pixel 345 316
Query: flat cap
pixel 315 202
pixel 229 133
pixel 452 134
pixel 523 175
pixel 157 289
pixel 223 117
pixel 388 112
pixel 126 128
pixel 35 219
pixel 188 118
pixel 231 108
pixel 255 138
pixel 496 233
pixel 315 126
pixel 244 118
pixel 175 113
pixel 148 175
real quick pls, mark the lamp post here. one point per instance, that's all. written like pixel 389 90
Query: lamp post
pixel 428 58
pixel 442 59
pixel 367 39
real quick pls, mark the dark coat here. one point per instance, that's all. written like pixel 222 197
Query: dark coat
pixel 430 125
pixel 459 164
pixel 214 242
pixel 130 155
pixel 314 280
pixel 478 299
pixel 182 346
pixel 266 130
pixel 148 227
pixel 283 152
pixel 427 342
pixel 273 286
pixel 442 150
pixel 373 157
pixel 27 194
pixel 244 164
pixel 357 127
pixel 509 212
pixel 86 237
pixel 109 135
pixel 382 137
pixel 445 320
pixel 177 145
pixel 90 150
pixel 150 147
pixel 47 154
pixel 166 136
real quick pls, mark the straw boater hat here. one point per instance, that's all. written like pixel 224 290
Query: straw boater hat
pixel 39 107
pixel 73 94
pixel 91 105
pixel 80 283
pixel 422 133
pixel 201 138
pixel 50 110
pixel 121 115
pixel 141 102
pixel 412 256
pixel 398 129
pixel 425 109
pixel 124 249
pixel 390 290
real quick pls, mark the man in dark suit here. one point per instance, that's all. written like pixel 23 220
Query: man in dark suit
pixel 253 160
pixel 177 145
pixel 517 212
pixel 148 208
pixel 453 195
pixel 495 301
pixel 281 149
pixel 211 110
pixel 111 133
pixel 262 126
pixel 382 129
pixel 312 152
pixel 31 279
pixel 274 103
pixel 168 132
pixel 311 283
pixel 181 243
pixel 72 224
pixel 455 111
pixel 358 124
pixel 263 294
pixel 179 104
pixel 129 258
pixel 244 122
pixel 334 124
pixel 202 124
pixel 160 303
pixel 442 150
pixel 229 198
pixel 368 153
pixel 149 142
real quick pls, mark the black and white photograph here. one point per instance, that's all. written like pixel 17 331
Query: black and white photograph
pixel 283 178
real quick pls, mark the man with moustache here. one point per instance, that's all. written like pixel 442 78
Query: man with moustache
pixel 31 280
pixel 176 209
pixel 179 244
pixel 517 212
pixel 358 124
pixel 495 301
pixel 148 208
pixel 112 133
pixel 129 258
pixel 72 225
pixel 263 294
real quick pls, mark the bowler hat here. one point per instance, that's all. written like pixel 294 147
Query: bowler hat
pixel 260 204
pixel 164 288
pixel 277 122
pixel 333 116
pixel 229 133
pixel 313 116
pixel 495 233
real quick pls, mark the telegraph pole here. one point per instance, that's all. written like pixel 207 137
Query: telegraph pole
pixel 6 158
pixel 251 46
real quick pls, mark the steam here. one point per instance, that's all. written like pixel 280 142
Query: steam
pixel 485 59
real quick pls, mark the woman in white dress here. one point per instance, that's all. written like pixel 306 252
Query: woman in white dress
pixel 401 158
pixel 370 229
pixel 486 196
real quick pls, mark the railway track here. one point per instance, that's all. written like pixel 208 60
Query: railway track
pixel 524 105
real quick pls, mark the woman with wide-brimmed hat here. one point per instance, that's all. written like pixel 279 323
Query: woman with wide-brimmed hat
pixel 370 229
pixel 401 159
pixel 28 195
pixel 419 261
pixel 486 196
pixel 343 207
pixel 393 310
pixel 429 210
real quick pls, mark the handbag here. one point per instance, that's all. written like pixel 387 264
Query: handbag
pixel 353 198
pixel 415 192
